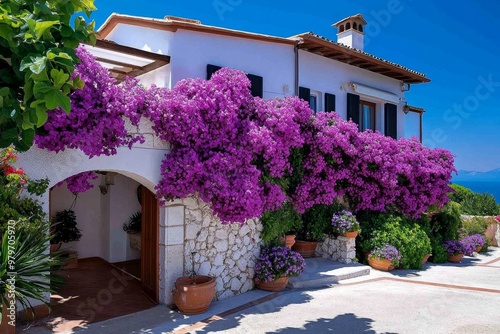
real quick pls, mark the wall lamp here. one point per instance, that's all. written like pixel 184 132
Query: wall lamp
pixel 109 180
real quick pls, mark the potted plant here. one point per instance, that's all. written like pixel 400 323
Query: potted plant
pixel 473 243
pixel 278 224
pixel 64 230
pixel 384 258
pixel 455 250
pixel 133 229
pixel 274 267
pixel 315 223
pixel 193 294
pixel 344 223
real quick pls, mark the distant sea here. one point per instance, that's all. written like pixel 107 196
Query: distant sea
pixel 490 187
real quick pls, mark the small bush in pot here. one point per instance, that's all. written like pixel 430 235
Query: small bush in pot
pixel 134 223
pixel 63 227
pixel 472 243
pixel 279 222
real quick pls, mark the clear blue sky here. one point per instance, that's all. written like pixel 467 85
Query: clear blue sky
pixel 454 43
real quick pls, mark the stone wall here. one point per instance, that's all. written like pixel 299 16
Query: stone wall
pixel 227 252
pixel 341 249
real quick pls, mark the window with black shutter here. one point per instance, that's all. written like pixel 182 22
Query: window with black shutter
pixel 256 82
pixel 391 120
pixel 329 102
pixel 353 107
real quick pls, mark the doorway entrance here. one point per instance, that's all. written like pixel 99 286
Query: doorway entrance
pixel 111 278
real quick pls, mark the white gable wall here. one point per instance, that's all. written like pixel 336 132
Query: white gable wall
pixel 192 51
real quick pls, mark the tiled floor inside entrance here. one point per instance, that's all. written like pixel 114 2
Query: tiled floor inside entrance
pixel 93 292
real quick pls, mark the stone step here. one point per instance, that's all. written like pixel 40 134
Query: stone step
pixel 321 272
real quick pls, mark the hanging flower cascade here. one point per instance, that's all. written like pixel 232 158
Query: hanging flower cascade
pixel 79 183
pixel 235 151
pixel 96 123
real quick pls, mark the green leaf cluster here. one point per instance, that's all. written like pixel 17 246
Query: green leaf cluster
pixel 279 222
pixel 37 58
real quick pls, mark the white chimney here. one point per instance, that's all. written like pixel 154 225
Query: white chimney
pixel 351 31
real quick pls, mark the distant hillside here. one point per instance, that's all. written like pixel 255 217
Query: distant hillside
pixel 466 175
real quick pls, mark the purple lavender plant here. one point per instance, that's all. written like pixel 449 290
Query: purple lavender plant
pixel 454 247
pixel 278 261
pixel 471 242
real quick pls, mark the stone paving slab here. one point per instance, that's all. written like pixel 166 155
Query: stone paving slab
pixel 321 272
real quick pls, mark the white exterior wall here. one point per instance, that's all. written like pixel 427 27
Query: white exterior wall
pixel 192 51
pixel 324 75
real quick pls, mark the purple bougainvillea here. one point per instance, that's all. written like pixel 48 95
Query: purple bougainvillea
pixel 96 123
pixel 234 150
pixel 79 183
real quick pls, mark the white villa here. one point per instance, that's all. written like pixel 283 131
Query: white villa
pixel 332 75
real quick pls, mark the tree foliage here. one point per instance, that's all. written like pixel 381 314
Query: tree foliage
pixel 37 58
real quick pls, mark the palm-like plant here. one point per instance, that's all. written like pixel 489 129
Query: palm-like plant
pixel 25 261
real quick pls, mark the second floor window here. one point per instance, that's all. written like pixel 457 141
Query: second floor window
pixel 367 115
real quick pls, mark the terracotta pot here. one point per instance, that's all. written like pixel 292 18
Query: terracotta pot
pixel 305 248
pixel 194 294
pixel 55 247
pixel 276 285
pixel 351 235
pixel 426 257
pixel 5 327
pixel 455 258
pixel 288 240
pixel 380 264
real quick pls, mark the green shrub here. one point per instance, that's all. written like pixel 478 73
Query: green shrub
pixel 279 222
pixel 407 236
pixel 474 225
pixel 444 225
pixel 317 221
pixel 472 203
pixel 460 193
pixel 439 253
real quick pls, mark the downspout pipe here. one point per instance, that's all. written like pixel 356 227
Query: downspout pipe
pixel 296 51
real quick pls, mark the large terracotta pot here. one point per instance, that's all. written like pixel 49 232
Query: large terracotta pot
pixel 194 294
pixel 289 240
pixel 305 248
pixel 351 235
pixel 380 264
pixel 426 257
pixel 276 285
pixel 455 258
pixel 5 327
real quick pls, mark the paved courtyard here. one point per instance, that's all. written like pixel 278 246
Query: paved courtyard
pixel 445 298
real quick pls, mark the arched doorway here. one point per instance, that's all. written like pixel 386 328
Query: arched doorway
pixel 112 278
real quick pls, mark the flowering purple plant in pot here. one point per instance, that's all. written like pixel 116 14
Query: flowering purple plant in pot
pixel 277 263
pixel 387 252
pixel 344 221
pixel 473 243
pixel 454 247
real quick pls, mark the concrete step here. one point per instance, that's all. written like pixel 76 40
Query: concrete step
pixel 321 272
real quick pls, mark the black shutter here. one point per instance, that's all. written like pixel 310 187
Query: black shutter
pixel 211 69
pixel 329 102
pixel 353 107
pixel 305 93
pixel 391 120
pixel 257 84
